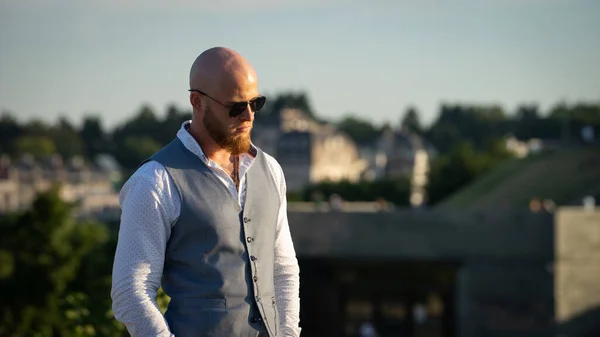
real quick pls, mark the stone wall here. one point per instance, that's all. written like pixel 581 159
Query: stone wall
pixel 407 235
pixel 520 274
pixel 577 271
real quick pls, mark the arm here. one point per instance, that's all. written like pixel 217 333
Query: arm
pixel 287 271
pixel 149 206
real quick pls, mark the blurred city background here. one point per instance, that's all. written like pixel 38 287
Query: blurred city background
pixel 442 158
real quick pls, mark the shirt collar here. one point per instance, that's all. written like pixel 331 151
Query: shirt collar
pixel 192 145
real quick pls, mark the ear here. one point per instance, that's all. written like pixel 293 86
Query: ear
pixel 196 101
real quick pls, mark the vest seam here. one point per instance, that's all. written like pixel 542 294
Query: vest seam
pixel 172 224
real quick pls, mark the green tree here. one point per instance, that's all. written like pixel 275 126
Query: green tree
pixel 37 146
pixel 411 121
pixel 9 130
pixel 93 136
pixel 396 191
pixel 467 123
pixel 138 138
pixel 171 124
pixel 461 166
pixel 133 150
pixel 67 140
pixel 294 100
pixel 360 130
pixel 44 248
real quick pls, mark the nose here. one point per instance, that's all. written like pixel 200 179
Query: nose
pixel 248 114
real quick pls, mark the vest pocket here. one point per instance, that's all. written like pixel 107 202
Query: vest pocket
pixel 202 317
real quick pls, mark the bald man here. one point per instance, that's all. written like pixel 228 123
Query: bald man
pixel 205 217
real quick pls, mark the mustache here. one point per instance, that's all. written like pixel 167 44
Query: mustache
pixel 243 125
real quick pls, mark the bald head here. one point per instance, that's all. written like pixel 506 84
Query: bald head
pixel 222 81
pixel 223 72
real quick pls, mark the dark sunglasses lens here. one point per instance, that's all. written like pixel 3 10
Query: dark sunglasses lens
pixel 258 103
pixel 237 109
pixel 255 104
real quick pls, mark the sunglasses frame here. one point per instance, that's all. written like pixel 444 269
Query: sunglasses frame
pixel 237 108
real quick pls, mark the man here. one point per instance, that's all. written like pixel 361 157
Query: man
pixel 207 215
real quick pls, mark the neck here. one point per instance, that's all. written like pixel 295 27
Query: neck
pixel 210 148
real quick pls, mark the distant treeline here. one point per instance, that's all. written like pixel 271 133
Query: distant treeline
pixel 466 136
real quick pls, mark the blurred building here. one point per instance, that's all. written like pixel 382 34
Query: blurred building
pixel 90 186
pixel 399 153
pixel 526 147
pixel 309 151
pixel 449 274
pixel 522 149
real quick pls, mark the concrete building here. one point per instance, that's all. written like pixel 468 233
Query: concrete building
pixel 451 274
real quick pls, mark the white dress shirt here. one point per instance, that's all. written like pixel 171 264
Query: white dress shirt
pixel 150 206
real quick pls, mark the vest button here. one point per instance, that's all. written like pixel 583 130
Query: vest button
pixel 253 258
pixel 255 278
pixel 246 220
pixel 249 239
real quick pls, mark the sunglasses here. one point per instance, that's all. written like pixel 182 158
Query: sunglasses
pixel 238 108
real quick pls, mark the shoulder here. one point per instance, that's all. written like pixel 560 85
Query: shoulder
pixel 149 197
pixel 150 177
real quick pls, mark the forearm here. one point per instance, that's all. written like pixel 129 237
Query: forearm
pixel 134 300
pixel 287 291
pixel 287 280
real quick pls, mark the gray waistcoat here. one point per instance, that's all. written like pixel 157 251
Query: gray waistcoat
pixel 219 260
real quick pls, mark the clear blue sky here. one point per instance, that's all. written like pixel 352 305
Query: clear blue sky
pixel 371 58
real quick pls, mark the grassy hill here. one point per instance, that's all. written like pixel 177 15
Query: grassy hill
pixel 561 175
